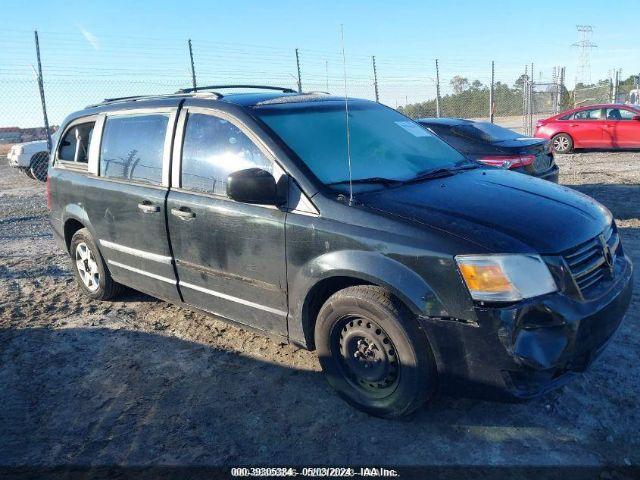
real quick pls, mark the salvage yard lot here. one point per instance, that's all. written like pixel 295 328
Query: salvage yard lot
pixel 140 381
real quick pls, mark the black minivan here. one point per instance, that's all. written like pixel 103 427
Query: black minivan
pixel 344 227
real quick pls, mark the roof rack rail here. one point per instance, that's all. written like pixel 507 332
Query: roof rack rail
pixel 135 98
pixel 188 92
pixel 224 87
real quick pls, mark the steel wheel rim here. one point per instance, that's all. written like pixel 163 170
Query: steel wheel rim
pixel 366 355
pixel 87 267
pixel 561 144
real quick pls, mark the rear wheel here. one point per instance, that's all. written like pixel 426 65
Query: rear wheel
pixel 562 143
pixel 373 352
pixel 89 268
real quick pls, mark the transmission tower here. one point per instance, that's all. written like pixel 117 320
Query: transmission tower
pixel 584 44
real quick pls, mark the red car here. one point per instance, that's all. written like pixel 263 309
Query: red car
pixel 595 126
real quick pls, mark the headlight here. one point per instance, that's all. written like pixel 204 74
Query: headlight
pixel 505 278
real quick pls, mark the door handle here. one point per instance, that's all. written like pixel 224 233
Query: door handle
pixel 183 213
pixel 574 125
pixel 148 207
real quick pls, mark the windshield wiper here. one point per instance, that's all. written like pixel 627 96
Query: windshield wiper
pixel 441 172
pixel 382 180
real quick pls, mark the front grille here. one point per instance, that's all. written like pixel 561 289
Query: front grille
pixel 588 263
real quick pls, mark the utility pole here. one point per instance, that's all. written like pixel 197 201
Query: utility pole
pixel 532 88
pixel 41 89
pixel 525 86
pixel 375 78
pixel 299 74
pixel 584 45
pixel 616 81
pixel 491 92
pixel 561 105
pixel 193 67
pixel 437 90
pixel 326 72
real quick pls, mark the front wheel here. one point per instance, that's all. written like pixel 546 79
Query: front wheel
pixel 39 166
pixel 373 352
pixel 562 143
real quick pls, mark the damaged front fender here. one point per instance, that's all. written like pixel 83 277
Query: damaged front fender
pixel 525 349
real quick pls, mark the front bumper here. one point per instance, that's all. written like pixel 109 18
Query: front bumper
pixel 21 160
pixel 526 349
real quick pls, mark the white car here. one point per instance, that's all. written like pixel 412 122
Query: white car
pixel 31 157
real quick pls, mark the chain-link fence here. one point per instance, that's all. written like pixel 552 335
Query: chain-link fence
pixel 75 74
pixel 592 95
pixel 615 89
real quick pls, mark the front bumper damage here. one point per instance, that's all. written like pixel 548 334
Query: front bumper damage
pixel 526 349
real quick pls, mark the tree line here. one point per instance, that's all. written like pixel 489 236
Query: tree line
pixel 471 99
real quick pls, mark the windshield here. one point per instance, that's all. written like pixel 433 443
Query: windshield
pixel 384 143
pixel 486 131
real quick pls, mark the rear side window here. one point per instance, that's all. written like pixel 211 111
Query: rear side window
pixel 212 149
pixel 591 114
pixel 74 146
pixel 132 147
pixel 620 114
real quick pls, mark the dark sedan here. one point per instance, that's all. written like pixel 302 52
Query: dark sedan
pixel 496 146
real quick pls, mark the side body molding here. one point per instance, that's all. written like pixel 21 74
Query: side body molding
pixel 368 266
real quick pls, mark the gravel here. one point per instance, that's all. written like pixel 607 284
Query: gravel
pixel 140 381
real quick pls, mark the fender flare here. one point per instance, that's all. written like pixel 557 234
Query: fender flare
pixel 367 266
pixel 76 212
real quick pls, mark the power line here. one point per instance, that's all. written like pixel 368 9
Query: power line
pixel 585 45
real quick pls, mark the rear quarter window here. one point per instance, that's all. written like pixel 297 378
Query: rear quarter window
pixel 133 146
pixel 74 146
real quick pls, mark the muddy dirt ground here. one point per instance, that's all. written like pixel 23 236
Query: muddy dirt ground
pixel 139 381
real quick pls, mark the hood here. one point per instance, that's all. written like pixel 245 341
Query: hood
pixel 34 145
pixel 502 211
pixel 34 142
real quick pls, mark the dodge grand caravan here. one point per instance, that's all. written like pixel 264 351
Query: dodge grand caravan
pixel 345 227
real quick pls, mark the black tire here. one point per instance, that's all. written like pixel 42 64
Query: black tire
pixel 39 166
pixel 365 324
pixel 105 288
pixel 562 143
pixel 27 172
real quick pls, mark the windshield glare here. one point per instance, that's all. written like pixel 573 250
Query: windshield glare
pixel 384 143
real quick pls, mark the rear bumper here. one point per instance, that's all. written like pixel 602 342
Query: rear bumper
pixel 525 350
pixel 551 174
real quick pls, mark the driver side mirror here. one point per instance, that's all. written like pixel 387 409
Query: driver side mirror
pixel 636 117
pixel 253 185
